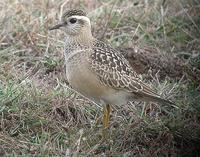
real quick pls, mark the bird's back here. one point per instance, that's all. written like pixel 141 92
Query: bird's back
pixel 101 72
pixel 114 71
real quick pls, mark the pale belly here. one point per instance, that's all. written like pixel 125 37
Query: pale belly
pixel 84 81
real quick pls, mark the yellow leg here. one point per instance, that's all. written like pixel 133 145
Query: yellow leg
pixel 106 119
pixel 106 116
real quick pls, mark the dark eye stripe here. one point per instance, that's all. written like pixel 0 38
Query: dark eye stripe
pixel 81 21
pixel 73 20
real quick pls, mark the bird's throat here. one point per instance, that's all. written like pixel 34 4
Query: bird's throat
pixel 84 39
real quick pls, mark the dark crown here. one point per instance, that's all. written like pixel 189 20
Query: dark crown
pixel 74 12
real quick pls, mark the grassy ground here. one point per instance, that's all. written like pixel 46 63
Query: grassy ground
pixel 40 116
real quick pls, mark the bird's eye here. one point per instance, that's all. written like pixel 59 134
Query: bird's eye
pixel 73 20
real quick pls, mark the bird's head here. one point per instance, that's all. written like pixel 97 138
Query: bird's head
pixel 74 23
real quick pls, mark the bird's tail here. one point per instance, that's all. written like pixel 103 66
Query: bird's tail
pixel 155 98
pixel 161 100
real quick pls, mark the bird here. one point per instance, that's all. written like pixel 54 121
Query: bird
pixel 97 70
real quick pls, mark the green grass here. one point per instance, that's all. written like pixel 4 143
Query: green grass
pixel 41 116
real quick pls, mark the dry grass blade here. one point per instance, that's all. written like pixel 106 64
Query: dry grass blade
pixel 41 116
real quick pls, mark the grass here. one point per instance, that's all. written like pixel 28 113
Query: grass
pixel 41 116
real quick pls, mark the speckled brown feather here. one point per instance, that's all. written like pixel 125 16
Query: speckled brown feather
pixel 113 70
pixel 73 12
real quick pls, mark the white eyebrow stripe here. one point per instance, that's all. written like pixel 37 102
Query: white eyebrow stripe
pixel 81 17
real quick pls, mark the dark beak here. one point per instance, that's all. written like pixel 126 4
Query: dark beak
pixel 57 26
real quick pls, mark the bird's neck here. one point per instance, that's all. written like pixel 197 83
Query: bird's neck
pixel 83 39
pixel 77 45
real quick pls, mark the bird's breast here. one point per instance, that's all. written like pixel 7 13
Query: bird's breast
pixel 82 79
pixel 85 81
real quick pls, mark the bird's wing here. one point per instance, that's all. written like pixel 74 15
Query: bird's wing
pixel 113 70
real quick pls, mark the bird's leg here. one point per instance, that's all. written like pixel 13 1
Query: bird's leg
pixel 106 118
